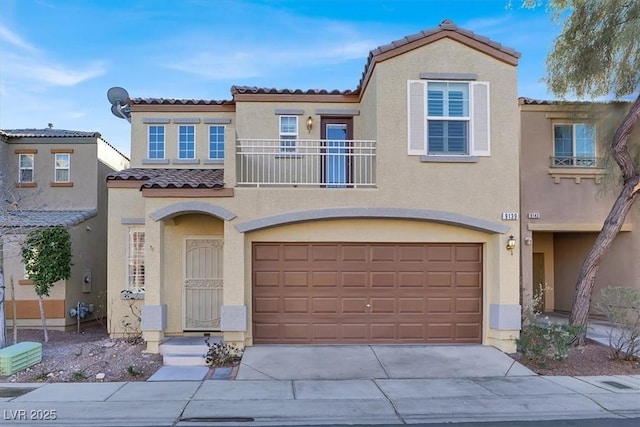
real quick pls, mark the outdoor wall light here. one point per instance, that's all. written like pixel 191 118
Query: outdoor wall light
pixel 310 124
pixel 511 244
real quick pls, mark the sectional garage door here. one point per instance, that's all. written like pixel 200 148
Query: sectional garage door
pixel 316 293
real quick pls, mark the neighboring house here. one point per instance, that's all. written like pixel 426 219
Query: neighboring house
pixel 378 215
pixel 567 192
pixel 52 177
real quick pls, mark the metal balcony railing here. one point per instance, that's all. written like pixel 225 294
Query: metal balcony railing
pixel 578 162
pixel 305 162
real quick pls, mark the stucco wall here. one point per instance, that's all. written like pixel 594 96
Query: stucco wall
pixel 83 174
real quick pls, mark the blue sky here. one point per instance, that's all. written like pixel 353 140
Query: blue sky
pixel 58 58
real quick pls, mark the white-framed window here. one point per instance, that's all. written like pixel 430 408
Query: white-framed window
pixel 62 167
pixel 448 118
pixel 216 142
pixel 25 163
pixel 574 145
pixel 135 258
pixel 187 142
pixel 288 133
pixel 156 142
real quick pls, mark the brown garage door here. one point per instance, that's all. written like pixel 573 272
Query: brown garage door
pixel 367 293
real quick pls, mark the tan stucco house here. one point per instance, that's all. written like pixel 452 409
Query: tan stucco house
pixel 568 190
pixel 375 215
pixel 52 177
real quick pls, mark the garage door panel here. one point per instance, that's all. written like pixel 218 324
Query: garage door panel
pixel 440 305
pixel 468 279
pixel 296 331
pixel 354 331
pixel 295 305
pixel 354 305
pixel 367 293
pixel 468 253
pixel 411 279
pixel 266 279
pixel 295 278
pixel 295 253
pixel 442 279
pixel 324 279
pixel 266 305
pixel 354 253
pixel 383 305
pixel 324 305
pixel 468 305
pixel 382 279
pixel 354 279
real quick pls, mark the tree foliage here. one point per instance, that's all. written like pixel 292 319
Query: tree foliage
pixel 597 54
pixel 46 254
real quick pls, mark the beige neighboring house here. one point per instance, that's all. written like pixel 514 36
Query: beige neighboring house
pixel 52 177
pixel 375 215
pixel 567 193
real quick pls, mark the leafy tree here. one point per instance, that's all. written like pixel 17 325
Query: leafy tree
pixel 597 54
pixel 46 254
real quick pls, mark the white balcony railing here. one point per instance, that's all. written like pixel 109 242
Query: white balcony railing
pixel 579 162
pixel 305 162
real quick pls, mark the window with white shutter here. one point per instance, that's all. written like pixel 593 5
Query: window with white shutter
pixel 448 118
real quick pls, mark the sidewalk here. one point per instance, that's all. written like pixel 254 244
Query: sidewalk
pixel 383 401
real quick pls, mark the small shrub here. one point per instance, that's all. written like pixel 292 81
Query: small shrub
pixel 78 376
pixel 544 341
pixel 133 371
pixel 42 376
pixel 222 354
pixel 621 306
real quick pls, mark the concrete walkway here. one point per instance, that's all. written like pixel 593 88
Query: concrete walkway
pixel 306 402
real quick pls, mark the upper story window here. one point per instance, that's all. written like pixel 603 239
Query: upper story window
pixel 156 142
pixel 216 142
pixel 25 173
pixel 447 118
pixel 288 133
pixel 187 142
pixel 62 167
pixel 574 145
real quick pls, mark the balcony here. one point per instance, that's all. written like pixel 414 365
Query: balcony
pixel 306 163
pixel 577 162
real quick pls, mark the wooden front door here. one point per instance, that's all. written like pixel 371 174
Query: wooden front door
pixel 202 283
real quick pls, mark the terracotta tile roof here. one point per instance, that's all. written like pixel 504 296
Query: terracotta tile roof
pixel 29 219
pixel 172 178
pixel 172 101
pixel 48 133
pixel 266 90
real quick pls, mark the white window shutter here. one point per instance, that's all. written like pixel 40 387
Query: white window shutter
pixel 417 118
pixel 480 140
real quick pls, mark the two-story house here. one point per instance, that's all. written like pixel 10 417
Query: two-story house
pixel 385 214
pixel 51 177
pixel 568 188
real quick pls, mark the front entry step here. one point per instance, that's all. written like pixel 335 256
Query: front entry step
pixel 186 351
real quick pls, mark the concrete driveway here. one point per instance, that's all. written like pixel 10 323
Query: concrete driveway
pixel 354 362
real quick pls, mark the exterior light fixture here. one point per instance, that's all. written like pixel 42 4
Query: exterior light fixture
pixel 511 244
pixel 310 124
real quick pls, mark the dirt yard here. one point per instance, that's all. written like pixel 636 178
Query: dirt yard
pixel 69 357
pixel 73 357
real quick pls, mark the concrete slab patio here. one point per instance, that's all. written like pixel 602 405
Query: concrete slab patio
pixel 357 362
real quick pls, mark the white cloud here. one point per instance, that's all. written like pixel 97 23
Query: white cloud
pixel 14 39
pixel 25 64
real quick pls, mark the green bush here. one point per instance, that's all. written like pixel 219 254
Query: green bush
pixel 541 342
pixel 621 306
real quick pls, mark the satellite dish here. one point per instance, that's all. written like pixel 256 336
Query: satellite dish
pixel 118 98
pixel 117 95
